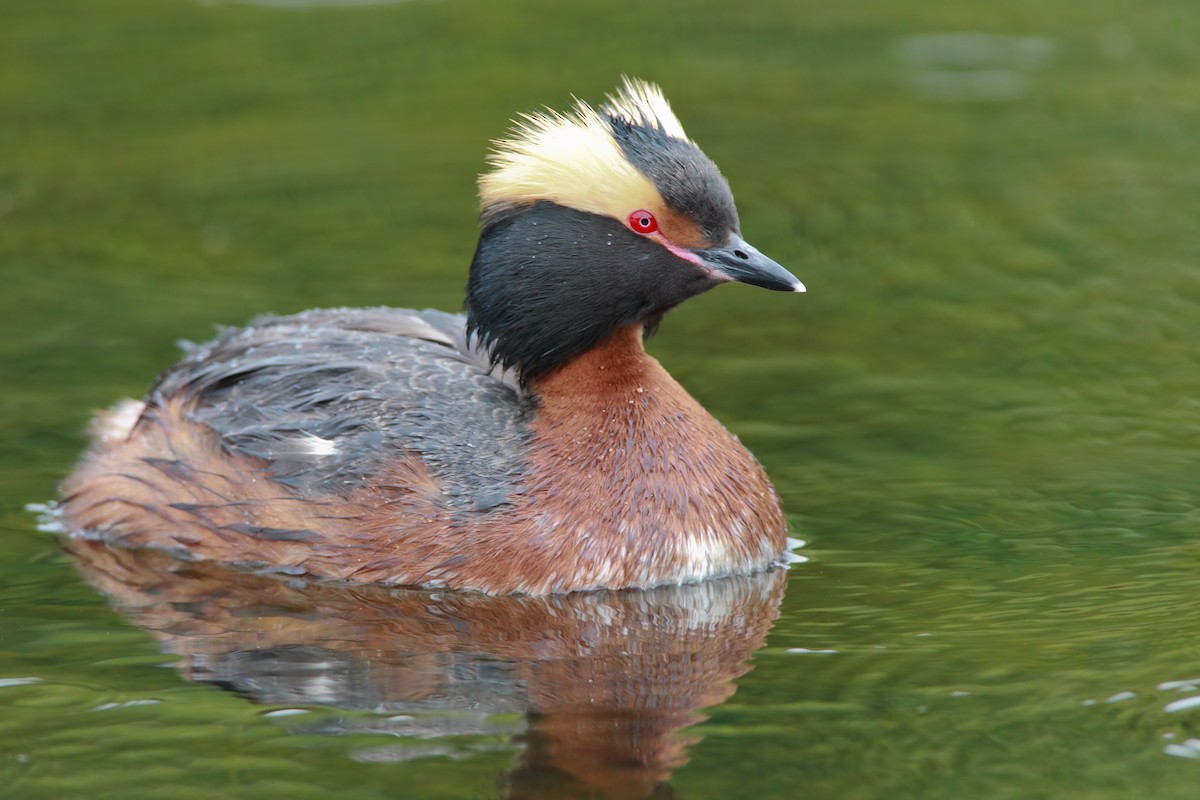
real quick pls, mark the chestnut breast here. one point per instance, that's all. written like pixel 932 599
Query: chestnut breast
pixel 379 446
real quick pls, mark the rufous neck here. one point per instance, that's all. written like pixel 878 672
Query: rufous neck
pixel 609 367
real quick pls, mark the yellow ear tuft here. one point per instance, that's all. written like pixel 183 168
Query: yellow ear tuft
pixel 642 103
pixel 572 159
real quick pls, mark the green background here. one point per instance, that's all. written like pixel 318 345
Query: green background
pixel 984 414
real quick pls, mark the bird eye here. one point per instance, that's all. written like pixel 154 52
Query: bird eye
pixel 643 222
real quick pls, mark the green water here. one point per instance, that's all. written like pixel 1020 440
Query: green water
pixel 984 416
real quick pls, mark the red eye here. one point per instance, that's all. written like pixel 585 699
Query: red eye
pixel 643 222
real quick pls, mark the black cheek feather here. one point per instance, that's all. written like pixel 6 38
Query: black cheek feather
pixel 550 283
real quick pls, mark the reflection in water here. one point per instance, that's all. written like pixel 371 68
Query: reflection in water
pixel 605 680
pixel 971 67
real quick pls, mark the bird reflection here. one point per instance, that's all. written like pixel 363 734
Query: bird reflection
pixel 603 682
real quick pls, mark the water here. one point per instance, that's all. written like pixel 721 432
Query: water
pixel 984 415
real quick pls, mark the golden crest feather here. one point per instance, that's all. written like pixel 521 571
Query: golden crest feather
pixel 643 103
pixel 572 158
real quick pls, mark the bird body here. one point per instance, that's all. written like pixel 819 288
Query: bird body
pixel 530 446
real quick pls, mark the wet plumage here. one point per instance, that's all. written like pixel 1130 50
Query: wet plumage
pixel 328 398
pixel 530 445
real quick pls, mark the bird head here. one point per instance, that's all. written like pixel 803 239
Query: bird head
pixel 598 218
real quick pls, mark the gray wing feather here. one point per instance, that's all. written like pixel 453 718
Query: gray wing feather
pixel 329 397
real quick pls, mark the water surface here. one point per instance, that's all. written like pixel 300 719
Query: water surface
pixel 984 416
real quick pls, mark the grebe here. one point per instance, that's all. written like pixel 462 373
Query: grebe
pixel 529 446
